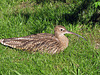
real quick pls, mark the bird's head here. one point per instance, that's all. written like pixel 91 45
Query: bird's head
pixel 61 30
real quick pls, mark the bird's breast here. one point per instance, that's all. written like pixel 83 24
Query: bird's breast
pixel 63 42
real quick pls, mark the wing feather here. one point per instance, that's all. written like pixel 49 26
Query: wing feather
pixel 42 42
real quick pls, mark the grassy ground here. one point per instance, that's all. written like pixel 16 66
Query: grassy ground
pixel 19 19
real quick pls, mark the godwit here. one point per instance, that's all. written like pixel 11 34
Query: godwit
pixel 42 42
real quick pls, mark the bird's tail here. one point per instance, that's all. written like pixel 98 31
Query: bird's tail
pixel 1 40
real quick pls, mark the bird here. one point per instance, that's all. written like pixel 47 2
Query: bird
pixel 41 42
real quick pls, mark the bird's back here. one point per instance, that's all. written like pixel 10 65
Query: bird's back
pixel 43 42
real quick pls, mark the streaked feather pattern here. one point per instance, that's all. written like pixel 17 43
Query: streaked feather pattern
pixel 41 42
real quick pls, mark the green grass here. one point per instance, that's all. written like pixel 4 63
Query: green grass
pixel 21 19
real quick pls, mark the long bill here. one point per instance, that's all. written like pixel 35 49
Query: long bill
pixel 75 34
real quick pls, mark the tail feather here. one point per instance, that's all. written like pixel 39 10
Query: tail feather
pixel 1 40
pixel 12 42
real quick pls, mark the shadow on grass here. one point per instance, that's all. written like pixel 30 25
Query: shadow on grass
pixel 43 1
pixel 74 17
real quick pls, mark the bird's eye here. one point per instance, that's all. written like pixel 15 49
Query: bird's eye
pixel 61 29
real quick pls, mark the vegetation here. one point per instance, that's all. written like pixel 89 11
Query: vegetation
pixel 25 17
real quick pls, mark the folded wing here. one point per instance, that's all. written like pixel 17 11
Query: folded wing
pixel 39 42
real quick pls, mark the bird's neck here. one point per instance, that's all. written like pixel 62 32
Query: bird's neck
pixel 63 41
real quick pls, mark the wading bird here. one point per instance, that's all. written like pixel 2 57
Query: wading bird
pixel 42 42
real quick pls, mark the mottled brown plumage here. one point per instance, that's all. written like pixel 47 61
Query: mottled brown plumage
pixel 42 42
